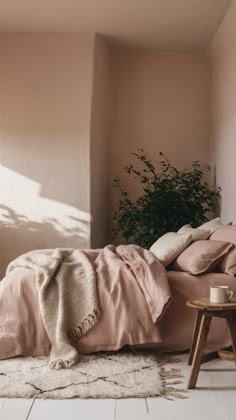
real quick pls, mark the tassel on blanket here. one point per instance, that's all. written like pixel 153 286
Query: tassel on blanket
pixel 64 364
pixel 85 326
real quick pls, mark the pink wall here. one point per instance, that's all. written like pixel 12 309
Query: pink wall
pixel 45 115
pixel 223 138
pixel 161 103
pixel 100 144
pixel 68 126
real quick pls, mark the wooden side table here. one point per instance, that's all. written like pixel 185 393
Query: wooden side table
pixel 205 312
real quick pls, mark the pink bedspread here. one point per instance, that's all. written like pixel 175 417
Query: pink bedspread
pixel 133 292
pixel 130 292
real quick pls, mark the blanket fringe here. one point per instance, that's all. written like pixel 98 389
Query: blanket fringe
pixel 76 333
pixel 63 364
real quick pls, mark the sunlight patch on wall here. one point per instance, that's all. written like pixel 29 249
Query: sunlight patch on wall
pixel 38 221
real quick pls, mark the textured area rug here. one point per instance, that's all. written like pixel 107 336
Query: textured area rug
pixel 100 375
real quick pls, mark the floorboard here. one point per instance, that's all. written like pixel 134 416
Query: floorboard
pixel 222 379
pixel 131 409
pixel 15 409
pixel 74 409
pixel 2 402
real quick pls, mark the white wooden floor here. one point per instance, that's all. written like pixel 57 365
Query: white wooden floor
pixel 213 399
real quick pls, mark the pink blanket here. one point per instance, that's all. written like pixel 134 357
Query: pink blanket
pixel 133 292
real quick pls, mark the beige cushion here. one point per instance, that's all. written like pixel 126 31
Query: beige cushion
pixel 201 257
pixel 213 225
pixel 197 234
pixel 169 246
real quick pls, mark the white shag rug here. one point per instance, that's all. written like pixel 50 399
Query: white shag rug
pixel 100 375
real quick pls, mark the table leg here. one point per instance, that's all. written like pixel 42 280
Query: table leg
pixel 195 336
pixel 201 341
pixel 231 321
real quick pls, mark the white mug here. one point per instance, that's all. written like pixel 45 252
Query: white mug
pixel 220 294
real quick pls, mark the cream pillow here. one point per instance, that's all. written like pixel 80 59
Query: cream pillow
pixel 197 234
pixel 213 224
pixel 169 246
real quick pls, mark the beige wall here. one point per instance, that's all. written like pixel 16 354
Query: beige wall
pixel 223 137
pixel 45 107
pixel 67 129
pixel 100 144
pixel 161 103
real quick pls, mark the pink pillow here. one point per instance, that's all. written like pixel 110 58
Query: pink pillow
pixel 228 263
pixel 201 257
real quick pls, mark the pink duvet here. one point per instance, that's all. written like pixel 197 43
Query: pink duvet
pixel 131 301
pixel 133 291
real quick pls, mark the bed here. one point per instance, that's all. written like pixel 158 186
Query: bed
pixel 125 313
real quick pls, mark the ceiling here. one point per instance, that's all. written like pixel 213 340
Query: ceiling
pixel 162 24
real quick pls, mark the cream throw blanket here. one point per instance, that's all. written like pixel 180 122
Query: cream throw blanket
pixel 68 299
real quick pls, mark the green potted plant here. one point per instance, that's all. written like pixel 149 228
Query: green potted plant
pixel 170 199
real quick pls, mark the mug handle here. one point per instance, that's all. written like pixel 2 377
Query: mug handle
pixel 230 295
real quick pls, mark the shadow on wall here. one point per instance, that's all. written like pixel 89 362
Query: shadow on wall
pixel 52 165
pixel 28 220
pixel 20 234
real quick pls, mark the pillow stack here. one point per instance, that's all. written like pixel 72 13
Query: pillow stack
pixel 189 250
pixel 169 246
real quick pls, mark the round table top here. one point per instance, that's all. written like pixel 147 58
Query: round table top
pixel 204 303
